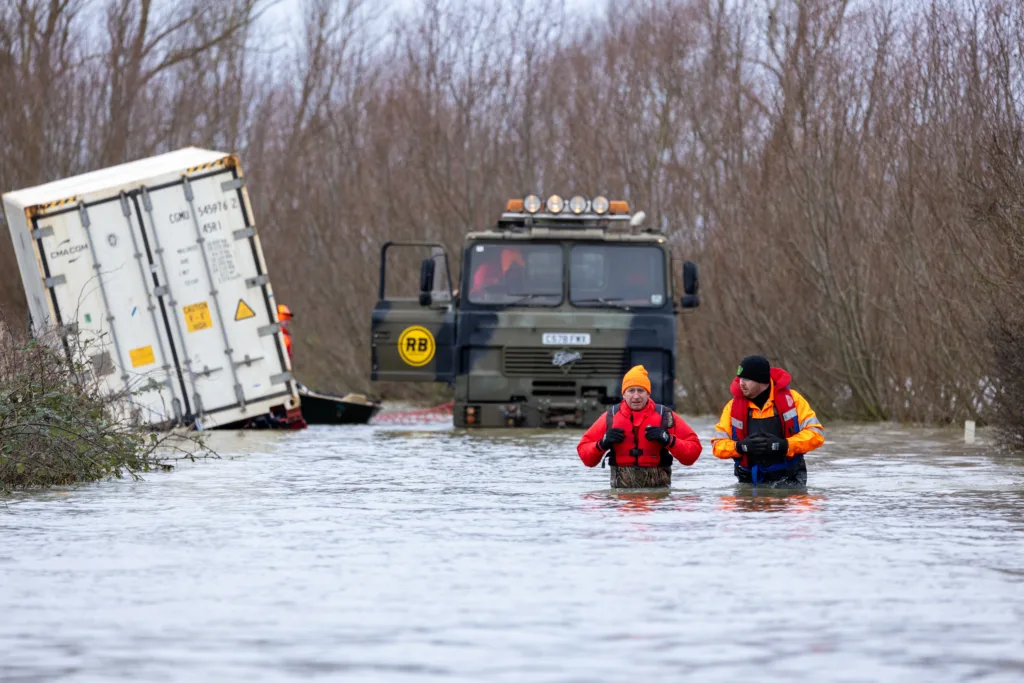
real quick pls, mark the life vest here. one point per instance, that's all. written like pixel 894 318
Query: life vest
pixel 784 423
pixel 667 422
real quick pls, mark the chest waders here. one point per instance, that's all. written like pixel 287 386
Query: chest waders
pixel 775 468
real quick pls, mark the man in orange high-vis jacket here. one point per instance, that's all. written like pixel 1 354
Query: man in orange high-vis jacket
pixel 284 316
pixel 638 436
pixel 767 427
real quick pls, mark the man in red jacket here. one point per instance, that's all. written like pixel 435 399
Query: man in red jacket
pixel 641 436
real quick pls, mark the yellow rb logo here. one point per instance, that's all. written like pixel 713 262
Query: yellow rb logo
pixel 416 346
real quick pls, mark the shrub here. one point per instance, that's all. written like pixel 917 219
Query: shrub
pixel 57 427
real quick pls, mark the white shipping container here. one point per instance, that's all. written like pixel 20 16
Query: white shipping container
pixel 158 267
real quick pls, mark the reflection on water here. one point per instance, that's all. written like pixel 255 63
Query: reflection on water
pixel 405 554
pixel 772 500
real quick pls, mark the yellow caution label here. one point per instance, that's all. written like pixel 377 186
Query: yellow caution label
pixel 197 317
pixel 142 356
pixel 243 312
pixel 416 346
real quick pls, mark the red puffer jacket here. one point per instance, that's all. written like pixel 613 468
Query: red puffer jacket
pixel 685 447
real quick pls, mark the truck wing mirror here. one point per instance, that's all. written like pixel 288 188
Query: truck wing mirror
pixel 426 281
pixel 691 285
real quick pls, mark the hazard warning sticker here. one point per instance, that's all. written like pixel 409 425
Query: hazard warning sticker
pixel 243 311
pixel 416 346
pixel 197 317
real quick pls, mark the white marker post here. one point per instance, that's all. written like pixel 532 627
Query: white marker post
pixel 969 431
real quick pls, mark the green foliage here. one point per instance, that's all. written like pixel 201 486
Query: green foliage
pixel 58 428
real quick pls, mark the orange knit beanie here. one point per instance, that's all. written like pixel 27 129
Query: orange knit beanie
pixel 636 377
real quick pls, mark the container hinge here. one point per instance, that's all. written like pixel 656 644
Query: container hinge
pixel 257 281
pixel 147 203
pixel 244 234
pixel 162 290
pixel 52 282
pixel 236 184
pixel 124 205
pixel 283 378
pixel 247 361
pixel 188 189
pixel 240 395
pixel 45 231
pixel 269 330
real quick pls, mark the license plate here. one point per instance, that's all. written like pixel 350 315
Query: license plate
pixel 561 339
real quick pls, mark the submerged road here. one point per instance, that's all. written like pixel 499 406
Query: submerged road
pixel 431 554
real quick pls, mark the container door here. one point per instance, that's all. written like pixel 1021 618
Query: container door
pixel 223 317
pixel 413 340
pixel 98 271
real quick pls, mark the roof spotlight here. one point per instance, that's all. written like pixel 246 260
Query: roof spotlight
pixel 532 204
pixel 578 204
pixel 555 204
pixel 600 205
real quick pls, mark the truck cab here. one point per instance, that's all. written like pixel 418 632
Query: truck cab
pixel 553 305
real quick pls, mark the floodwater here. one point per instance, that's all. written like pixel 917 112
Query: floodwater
pixel 432 554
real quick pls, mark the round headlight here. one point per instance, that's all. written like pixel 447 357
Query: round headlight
pixel 555 204
pixel 532 204
pixel 599 205
pixel 578 204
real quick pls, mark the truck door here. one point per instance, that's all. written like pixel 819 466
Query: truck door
pixel 413 323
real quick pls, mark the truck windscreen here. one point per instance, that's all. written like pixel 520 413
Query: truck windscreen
pixel 617 275
pixel 519 274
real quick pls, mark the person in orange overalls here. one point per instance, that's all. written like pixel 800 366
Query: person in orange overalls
pixel 638 436
pixel 284 316
pixel 767 427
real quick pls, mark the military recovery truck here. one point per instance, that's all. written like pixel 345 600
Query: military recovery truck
pixel 555 303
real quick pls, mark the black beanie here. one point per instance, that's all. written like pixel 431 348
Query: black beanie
pixel 756 369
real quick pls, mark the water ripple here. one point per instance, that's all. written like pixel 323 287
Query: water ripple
pixel 402 554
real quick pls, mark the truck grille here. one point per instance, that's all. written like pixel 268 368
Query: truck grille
pixel 519 362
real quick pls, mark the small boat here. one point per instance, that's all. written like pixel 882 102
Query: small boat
pixel 321 408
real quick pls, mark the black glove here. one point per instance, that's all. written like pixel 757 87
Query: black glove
pixel 610 438
pixel 658 435
pixel 754 446
pixel 777 445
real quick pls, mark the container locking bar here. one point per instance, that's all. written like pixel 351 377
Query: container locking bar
pixel 247 361
pixel 126 209
pixel 206 371
pixel 86 223
pixel 164 290
pixel 187 185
